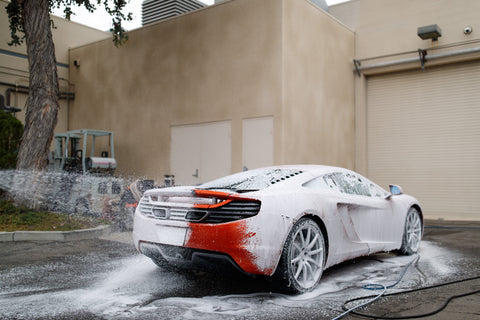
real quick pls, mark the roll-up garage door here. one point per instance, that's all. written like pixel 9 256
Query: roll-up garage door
pixel 424 134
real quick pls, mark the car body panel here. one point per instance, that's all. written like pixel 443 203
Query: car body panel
pixel 355 224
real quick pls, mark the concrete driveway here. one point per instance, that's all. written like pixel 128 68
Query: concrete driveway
pixel 106 279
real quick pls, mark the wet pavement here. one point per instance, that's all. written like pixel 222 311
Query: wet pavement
pixel 107 279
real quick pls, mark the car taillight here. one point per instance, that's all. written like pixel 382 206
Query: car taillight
pixel 234 210
pixel 225 207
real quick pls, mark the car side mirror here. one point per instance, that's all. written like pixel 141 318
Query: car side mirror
pixel 394 191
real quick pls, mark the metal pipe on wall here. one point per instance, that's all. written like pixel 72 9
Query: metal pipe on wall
pixel 359 67
pixel 25 89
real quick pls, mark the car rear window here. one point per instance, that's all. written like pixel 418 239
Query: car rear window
pixel 251 180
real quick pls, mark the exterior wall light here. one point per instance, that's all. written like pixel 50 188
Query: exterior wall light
pixel 429 32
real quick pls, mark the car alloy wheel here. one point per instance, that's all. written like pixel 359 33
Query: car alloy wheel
pixel 413 232
pixel 303 257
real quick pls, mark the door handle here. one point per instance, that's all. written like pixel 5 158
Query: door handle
pixel 195 174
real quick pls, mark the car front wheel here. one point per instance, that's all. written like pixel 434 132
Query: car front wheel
pixel 303 257
pixel 412 233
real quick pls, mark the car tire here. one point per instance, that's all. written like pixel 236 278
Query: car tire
pixel 412 233
pixel 302 260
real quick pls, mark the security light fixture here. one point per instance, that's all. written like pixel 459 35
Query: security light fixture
pixel 429 32
pixel 467 30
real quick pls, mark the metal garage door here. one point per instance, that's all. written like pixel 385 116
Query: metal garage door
pixel 424 134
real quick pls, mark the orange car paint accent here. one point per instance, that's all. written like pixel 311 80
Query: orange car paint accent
pixel 225 196
pixel 210 193
pixel 230 238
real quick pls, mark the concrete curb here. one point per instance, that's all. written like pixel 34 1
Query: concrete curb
pixel 451 223
pixel 84 234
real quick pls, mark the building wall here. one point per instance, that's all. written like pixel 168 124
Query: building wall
pixel 229 62
pixel 318 115
pixel 215 64
pixel 390 26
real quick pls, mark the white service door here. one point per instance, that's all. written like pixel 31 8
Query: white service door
pixel 257 142
pixel 200 153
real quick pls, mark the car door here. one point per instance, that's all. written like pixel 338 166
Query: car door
pixel 364 206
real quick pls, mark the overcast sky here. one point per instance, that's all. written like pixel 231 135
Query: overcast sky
pixel 102 21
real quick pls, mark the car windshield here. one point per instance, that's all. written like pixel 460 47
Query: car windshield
pixel 250 180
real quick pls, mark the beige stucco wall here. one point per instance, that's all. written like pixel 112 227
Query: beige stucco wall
pixel 14 62
pixel 219 63
pixel 318 114
pixel 232 61
pixel 390 26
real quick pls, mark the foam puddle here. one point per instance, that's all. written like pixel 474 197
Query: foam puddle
pixel 131 283
pixel 131 289
pixel 438 259
pixel 337 286
pixel 113 294
pixel 135 282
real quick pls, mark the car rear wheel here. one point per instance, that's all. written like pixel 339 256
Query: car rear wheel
pixel 412 233
pixel 303 257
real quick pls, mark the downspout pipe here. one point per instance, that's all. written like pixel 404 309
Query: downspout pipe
pixel 359 67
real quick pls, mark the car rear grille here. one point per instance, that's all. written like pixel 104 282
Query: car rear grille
pixel 231 211
pixel 235 210
pixel 160 212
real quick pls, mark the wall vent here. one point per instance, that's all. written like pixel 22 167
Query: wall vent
pixel 156 10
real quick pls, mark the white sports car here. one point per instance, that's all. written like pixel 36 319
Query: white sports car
pixel 287 222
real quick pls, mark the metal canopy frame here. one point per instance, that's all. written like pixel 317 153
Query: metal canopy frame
pixel 84 133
